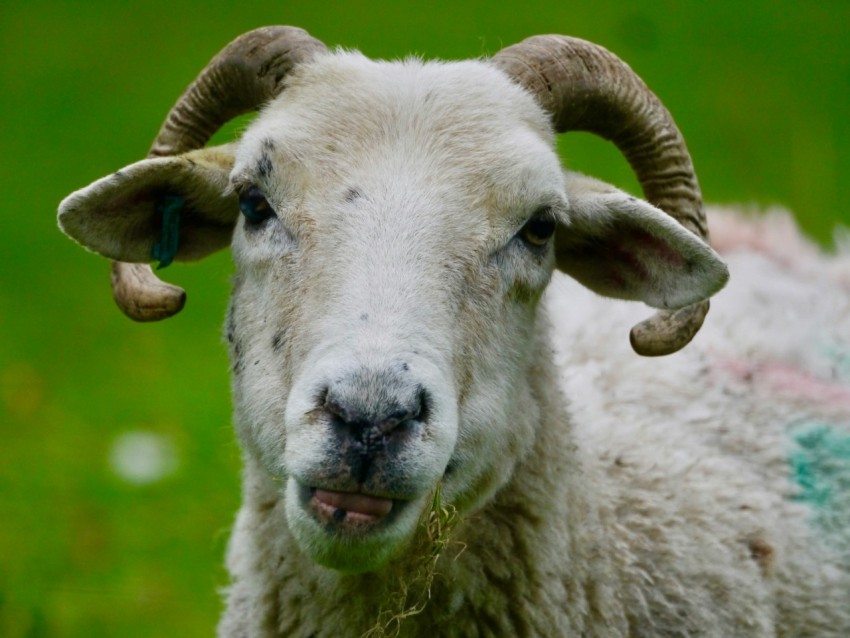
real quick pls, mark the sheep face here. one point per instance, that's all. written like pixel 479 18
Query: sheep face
pixel 396 235
pixel 381 317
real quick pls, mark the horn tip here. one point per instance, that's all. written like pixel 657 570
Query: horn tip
pixel 667 332
pixel 142 296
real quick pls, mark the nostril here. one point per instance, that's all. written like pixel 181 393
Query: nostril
pixel 398 418
pixel 335 408
pixel 423 404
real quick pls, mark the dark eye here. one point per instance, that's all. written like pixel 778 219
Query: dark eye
pixel 255 206
pixel 539 229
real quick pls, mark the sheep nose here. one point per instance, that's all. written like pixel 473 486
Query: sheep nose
pixel 375 409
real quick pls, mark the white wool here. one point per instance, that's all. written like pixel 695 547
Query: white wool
pixel 396 286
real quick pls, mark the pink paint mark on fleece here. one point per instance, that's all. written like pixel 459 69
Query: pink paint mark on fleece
pixel 787 380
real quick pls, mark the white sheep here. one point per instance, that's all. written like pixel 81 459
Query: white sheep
pixel 411 464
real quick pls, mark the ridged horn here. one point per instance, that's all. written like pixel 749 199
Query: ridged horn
pixel 247 73
pixel 585 87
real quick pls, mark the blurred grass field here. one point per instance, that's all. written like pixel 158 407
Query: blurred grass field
pixel 760 89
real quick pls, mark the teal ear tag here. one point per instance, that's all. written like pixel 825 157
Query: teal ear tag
pixel 165 247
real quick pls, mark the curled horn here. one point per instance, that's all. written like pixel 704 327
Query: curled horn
pixel 247 73
pixel 585 87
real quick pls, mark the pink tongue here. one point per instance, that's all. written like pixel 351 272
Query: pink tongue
pixel 357 503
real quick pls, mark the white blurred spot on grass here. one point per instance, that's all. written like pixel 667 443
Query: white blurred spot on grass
pixel 142 458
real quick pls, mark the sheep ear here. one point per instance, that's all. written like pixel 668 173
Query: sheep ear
pixel 620 246
pixel 160 208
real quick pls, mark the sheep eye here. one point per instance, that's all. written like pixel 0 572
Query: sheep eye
pixel 539 229
pixel 255 206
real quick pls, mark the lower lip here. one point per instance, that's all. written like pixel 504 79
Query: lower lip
pixel 348 509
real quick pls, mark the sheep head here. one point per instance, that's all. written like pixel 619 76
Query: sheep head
pixel 399 224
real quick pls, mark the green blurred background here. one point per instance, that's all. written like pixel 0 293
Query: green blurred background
pixel 118 467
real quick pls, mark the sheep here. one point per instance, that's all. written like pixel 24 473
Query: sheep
pixel 420 288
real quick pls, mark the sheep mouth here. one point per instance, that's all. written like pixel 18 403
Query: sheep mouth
pixel 350 511
pixel 351 530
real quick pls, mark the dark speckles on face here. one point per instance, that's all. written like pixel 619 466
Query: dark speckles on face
pixel 278 340
pixel 352 194
pixel 235 345
pixel 230 330
pixel 237 363
pixel 264 166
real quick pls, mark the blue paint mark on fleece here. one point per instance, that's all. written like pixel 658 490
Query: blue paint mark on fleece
pixel 165 247
pixel 821 467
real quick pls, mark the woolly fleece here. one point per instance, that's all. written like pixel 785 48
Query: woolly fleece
pixel 664 505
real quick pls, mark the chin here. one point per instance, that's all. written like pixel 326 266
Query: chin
pixel 358 540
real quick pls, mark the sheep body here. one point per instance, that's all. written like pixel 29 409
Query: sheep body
pixel 732 425
pixel 704 494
